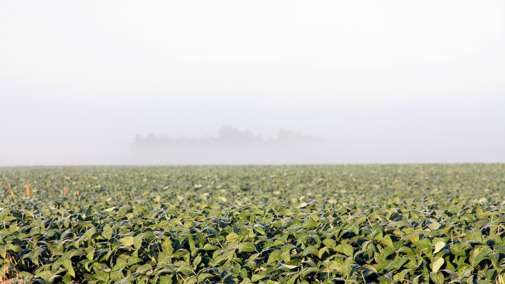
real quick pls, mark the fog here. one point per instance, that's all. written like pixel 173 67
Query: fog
pixel 371 82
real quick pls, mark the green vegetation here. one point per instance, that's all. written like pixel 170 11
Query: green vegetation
pixel 254 224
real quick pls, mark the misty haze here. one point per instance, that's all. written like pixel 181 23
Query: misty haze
pixel 230 146
pixel 378 83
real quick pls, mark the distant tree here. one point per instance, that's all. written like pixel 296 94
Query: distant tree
pixel 231 135
pixel 226 135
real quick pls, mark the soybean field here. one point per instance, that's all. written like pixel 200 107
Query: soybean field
pixel 253 224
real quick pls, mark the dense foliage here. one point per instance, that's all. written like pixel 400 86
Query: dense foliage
pixel 254 224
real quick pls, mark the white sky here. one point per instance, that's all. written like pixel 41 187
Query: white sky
pixel 78 80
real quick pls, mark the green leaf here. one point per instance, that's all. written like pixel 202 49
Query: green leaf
pixel 495 259
pixel 167 246
pixel 5 213
pixel 330 243
pixel 231 237
pixel 257 277
pixel 8 219
pixel 175 222
pixel 185 269
pixel 274 256
pixel 387 241
pixel 137 241
pixel 479 254
pixel 210 247
pixel 144 268
pixel 438 278
pixel 424 243
pixel 89 233
pixel 385 253
pixel 407 251
pixel 197 260
pixel 345 249
pixel 458 250
pixel 204 276
pixel 107 232
pixel 433 225
pixel 191 280
pixel 309 224
pixel 322 251
pixel 127 241
pixel 260 230
pixel 348 267
pixel 310 250
pixel 439 246
pixel 91 254
pixel 46 275
pixel 292 279
pixel 437 264
pixel 68 265
pixel 247 247
pixel 133 260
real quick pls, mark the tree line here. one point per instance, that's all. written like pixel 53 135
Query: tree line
pixel 228 136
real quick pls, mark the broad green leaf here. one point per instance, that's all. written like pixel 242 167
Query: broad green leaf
pixel 309 224
pixel 175 222
pixel 89 233
pixel 232 237
pixel 424 243
pixel 330 243
pixel 345 249
pixel 167 246
pixel 439 246
pixel 204 276
pixel 144 268
pixel 257 277
pixel 185 269
pixel 438 278
pixel 46 275
pixel 310 250
pixel 137 241
pixel 458 250
pixel 107 232
pixel 433 225
pixel 292 279
pixel 274 256
pixel 247 247
pixel 437 264
pixel 479 254
pixel 127 241
pixel 407 251
pixel 495 258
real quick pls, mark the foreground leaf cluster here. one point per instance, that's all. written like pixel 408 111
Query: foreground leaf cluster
pixel 255 224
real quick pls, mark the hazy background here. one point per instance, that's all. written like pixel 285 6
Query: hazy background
pixel 381 82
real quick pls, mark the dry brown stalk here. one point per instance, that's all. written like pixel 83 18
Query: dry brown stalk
pixel 10 189
pixel 4 276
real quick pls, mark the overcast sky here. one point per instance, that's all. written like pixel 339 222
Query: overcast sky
pixel 383 81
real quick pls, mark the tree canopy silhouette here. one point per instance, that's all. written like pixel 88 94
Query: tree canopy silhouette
pixel 227 136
